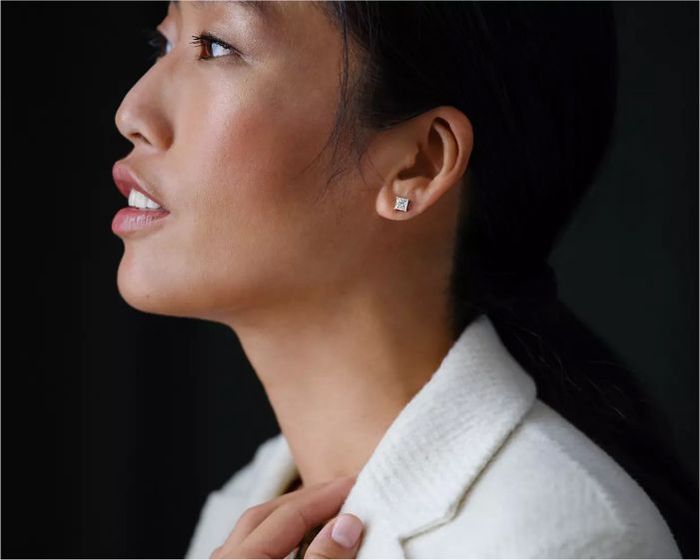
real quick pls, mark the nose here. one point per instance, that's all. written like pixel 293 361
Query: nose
pixel 142 117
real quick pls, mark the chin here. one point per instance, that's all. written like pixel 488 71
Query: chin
pixel 151 289
pixel 148 291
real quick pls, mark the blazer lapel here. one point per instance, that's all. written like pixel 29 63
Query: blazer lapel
pixel 438 444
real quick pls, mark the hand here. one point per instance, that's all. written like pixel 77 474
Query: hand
pixel 274 528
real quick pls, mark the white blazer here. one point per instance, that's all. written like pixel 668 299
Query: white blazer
pixel 474 466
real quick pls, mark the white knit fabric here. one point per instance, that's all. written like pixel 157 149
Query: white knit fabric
pixel 474 466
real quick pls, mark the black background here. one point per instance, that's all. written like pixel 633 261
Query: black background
pixel 116 424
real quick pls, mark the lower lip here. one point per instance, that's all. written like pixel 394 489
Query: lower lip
pixel 131 220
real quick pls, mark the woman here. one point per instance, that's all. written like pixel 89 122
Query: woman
pixel 367 194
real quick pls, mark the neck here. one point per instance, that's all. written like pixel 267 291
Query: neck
pixel 337 374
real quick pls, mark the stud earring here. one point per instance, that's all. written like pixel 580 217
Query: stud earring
pixel 401 204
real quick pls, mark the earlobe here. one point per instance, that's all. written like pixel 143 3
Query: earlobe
pixel 398 198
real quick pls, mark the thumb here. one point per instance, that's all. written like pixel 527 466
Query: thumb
pixel 339 538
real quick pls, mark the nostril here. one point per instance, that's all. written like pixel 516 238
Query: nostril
pixel 138 137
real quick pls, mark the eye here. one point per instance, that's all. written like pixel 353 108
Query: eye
pixel 158 42
pixel 213 47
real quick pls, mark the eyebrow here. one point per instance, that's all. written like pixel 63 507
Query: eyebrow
pixel 260 8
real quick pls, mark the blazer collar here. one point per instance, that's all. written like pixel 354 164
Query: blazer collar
pixel 436 446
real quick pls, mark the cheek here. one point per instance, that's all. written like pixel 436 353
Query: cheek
pixel 247 181
pixel 247 224
pixel 252 149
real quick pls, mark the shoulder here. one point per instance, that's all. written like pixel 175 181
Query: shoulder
pixel 224 506
pixel 550 491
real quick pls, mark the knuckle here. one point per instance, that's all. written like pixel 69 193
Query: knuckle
pixel 248 521
pixel 295 515
pixel 253 511
pixel 253 516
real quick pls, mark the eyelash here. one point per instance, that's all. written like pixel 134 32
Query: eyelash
pixel 208 39
pixel 158 41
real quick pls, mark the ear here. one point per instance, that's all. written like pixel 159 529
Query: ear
pixel 421 159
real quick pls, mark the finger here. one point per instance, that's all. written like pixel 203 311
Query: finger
pixel 339 538
pixel 255 515
pixel 284 528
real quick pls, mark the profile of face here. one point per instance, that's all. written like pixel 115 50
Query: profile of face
pixel 228 136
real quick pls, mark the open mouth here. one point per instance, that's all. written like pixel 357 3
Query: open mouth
pixel 141 213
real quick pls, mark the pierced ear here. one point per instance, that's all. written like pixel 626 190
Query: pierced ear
pixel 439 146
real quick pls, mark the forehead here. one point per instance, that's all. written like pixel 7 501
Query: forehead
pixel 247 4
pixel 267 11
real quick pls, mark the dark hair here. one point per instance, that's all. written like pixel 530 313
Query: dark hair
pixel 539 85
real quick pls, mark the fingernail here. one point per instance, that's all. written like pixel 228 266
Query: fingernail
pixel 346 530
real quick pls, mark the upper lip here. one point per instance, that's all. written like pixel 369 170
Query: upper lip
pixel 125 179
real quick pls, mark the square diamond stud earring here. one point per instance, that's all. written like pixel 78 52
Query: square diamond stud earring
pixel 401 204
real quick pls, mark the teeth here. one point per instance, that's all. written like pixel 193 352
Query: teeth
pixel 139 200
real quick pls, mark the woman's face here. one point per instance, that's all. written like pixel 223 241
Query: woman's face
pixel 227 145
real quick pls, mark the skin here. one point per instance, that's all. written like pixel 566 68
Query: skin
pixel 339 301
pixel 273 529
